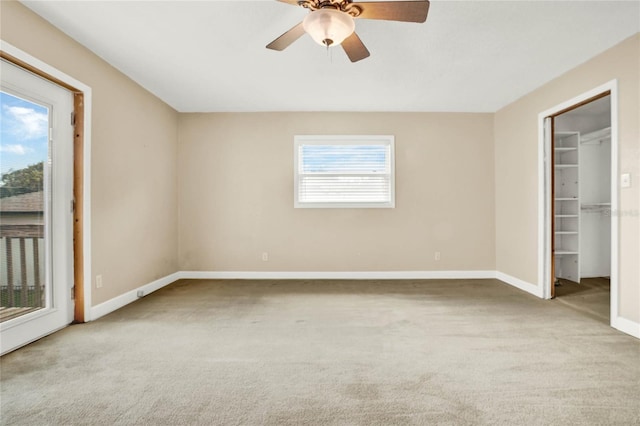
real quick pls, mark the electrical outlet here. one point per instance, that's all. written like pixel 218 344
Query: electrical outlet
pixel 265 257
pixel 437 256
pixel 98 281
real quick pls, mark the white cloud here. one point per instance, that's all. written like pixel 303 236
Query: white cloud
pixel 25 123
pixel 15 149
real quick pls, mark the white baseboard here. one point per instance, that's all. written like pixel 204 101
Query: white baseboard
pixel 520 284
pixel 346 275
pixel 626 326
pixel 130 296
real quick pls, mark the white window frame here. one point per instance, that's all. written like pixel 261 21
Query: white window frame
pixel 388 140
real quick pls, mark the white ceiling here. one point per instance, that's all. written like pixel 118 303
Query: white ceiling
pixel 473 56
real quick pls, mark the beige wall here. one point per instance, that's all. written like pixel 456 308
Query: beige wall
pixel 516 144
pixel 236 195
pixel 133 162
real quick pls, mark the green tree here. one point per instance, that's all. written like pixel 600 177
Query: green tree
pixel 22 181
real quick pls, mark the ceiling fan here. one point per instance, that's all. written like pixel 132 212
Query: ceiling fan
pixel 331 22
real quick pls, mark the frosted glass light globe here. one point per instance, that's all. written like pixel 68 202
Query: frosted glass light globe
pixel 328 27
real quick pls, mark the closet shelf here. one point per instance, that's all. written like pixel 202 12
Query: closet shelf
pixel 588 205
pixel 561 252
pixel 596 137
pixel 567 201
pixel 595 207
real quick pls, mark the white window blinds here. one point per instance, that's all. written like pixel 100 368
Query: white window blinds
pixel 344 171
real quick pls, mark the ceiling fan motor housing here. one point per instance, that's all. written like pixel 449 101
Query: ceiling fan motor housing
pixel 329 27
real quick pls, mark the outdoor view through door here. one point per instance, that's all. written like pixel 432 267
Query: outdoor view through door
pixel 36 170
pixel 24 151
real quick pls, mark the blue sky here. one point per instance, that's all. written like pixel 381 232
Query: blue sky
pixel 23 132
pixel 344 158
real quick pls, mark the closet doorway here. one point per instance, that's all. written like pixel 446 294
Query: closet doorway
pixel 582 207
pixel 580 194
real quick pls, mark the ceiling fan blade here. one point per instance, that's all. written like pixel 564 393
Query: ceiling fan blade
pixel 354 48
pixel 291 2
pixel 406 11
pixel 287 38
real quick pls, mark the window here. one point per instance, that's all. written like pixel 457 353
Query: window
pixel 344 171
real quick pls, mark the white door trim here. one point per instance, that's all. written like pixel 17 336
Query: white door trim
pixel 544 193
pixel 86 195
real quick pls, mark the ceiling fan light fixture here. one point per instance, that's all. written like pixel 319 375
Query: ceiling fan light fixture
pixel 328 27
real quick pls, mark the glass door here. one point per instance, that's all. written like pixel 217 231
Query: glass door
pixel 36 193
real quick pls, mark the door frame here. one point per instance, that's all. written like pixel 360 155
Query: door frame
pixel 545 191
pixel 82 170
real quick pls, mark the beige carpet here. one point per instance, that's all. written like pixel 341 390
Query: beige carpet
pixel 329 353
pixel 592 296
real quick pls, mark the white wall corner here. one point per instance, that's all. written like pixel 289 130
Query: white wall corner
pixel 626 326
pixel 520 284
pixel 131 296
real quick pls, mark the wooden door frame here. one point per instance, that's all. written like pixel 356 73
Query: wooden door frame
pixel 81 171
pixel 545 191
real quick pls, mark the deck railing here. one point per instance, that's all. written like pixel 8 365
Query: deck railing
pixel 21 269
